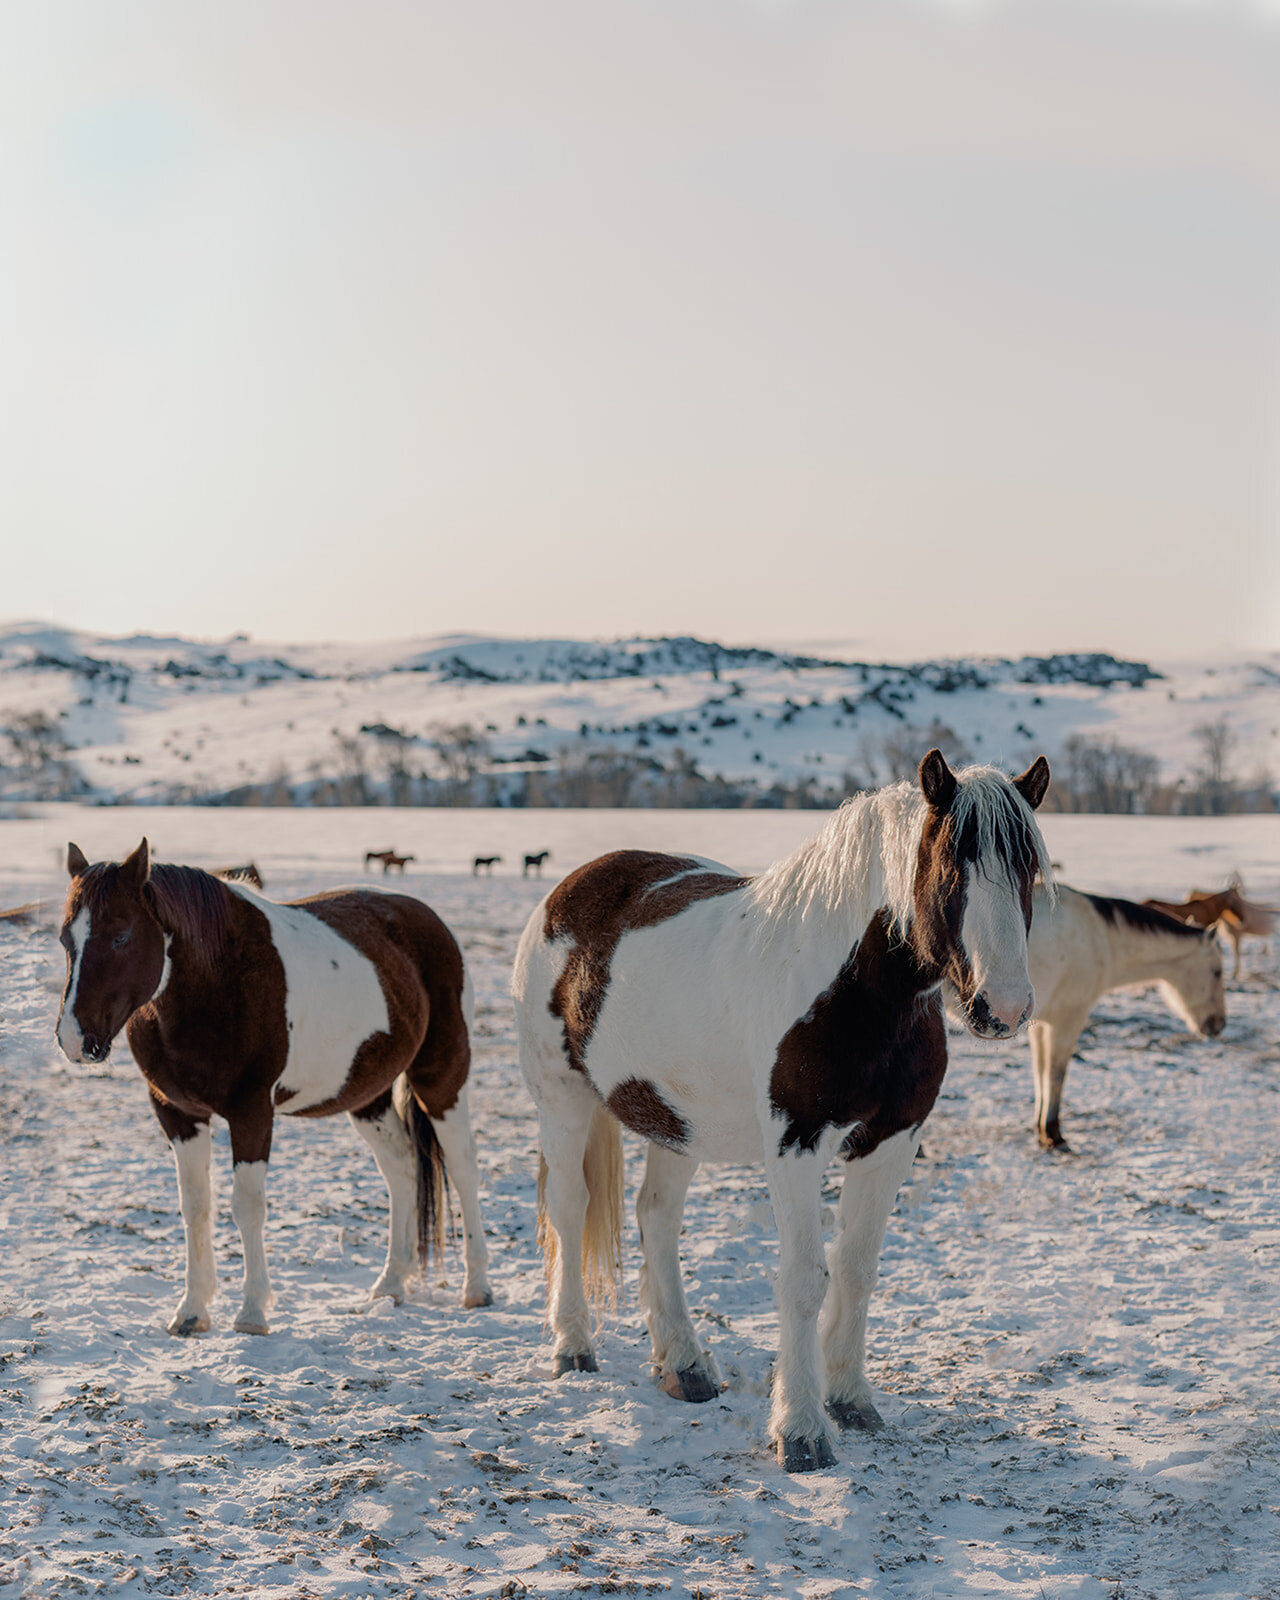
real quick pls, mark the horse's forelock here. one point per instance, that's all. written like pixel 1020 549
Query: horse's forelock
pixel 991 823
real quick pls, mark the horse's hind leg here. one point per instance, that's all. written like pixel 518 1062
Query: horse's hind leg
pixel 453 1130
pixel 688 1372
pixel 566 1112
pixel 250 1151
pixel 866 1202
pixel 191 1145
pixel 380 1126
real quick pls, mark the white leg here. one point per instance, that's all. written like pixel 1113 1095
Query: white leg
pixel 388 1138
pixel 195 1196
pixel 798 1422
pixel 459 1146
pixel 688 1372
pixel 1038 1039
pixel 565 1110
pixel 249 1208
pixel 866 1202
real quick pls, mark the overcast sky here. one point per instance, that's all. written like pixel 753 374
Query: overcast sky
pixel 931 327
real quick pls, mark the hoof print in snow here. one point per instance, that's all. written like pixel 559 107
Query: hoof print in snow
pixel 585 1362
pixel 805 1455
pixel 859 1416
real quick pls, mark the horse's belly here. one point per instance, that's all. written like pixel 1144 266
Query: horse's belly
pixel 333 1003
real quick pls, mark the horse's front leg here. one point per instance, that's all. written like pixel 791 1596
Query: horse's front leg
pixel 871 1183
pixel 798 1422
pixel 191 1144
pixel 250 1152
pixel 688 1371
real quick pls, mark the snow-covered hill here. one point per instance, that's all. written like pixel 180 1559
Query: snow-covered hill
pixel 147 718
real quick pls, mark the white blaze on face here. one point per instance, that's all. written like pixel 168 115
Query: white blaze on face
pixel 993 933
pixel 70 1034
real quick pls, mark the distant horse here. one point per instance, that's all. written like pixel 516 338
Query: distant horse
pixel 1085 945
pixel 535 862
pixel 786 1018
pixel 239 1007
pixel 1236 917
pixel 483 861
pixel 391 859
pixel 377 855
pixel 248 873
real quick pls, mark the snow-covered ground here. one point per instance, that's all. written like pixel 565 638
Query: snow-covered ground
pixel 1079 1356
pixel 146 718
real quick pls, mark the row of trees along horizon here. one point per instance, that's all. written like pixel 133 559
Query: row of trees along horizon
pixel 455 766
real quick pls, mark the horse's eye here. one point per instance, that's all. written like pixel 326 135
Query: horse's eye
pixel 120 940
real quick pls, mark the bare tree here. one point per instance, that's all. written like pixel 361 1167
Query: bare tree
pixel 1214 782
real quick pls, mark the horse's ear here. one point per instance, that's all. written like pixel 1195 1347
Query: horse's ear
pixel 135 869
pixel 76 861
pixel 937 781
pixel 1034 782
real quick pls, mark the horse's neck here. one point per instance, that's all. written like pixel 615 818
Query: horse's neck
pixel 1136 955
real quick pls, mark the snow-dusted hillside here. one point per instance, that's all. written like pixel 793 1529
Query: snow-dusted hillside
pixel 161 718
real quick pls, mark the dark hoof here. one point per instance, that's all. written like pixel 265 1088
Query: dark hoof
pixel 187 1327
pixel 859 1416
pixel 585 1362
pixel 805 1455
pixel 694 1384
pixel 1052 1139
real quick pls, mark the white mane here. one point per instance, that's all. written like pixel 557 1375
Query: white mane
pixel 865 856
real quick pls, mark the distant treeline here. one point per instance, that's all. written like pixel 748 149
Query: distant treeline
pixel 380 766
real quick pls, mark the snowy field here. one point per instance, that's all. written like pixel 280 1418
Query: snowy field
pixel 1079 1356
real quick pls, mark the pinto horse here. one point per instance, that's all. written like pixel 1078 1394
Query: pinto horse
pixel 786 1017
pixel 352 1000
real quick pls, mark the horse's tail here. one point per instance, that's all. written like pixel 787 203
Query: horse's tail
pixel 433 1180
pixel 603 1169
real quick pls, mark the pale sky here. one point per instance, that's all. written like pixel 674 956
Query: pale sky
pixel 931 327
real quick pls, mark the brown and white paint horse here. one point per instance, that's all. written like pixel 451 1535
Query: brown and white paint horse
pixel 786 1017
pixel 236 1006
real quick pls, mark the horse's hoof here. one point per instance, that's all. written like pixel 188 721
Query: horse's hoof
pixel 805 1455
pixel 1053 1139
pixel 694 1384
pixel 471 1301
pixel 250 1325
pixel 583 1362
pixel 184 1328
pixel 388 1291
pixel 859 1415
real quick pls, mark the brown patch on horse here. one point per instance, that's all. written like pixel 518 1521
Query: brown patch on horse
pixel 427 956
pixel 594 906
pixel 871 1051
pixel 638 1103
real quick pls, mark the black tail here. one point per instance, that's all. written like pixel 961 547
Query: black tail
pixel 433 1182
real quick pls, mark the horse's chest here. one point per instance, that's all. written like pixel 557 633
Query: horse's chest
pixel 868 1056
pixel 333 1002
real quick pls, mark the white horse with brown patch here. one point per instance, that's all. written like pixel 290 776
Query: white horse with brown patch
pixel 783 1018
pixel 236 1006
pixel 1082 946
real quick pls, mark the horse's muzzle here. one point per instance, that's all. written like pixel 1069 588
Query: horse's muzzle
pixel 1212 1026
pixel 984 1024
